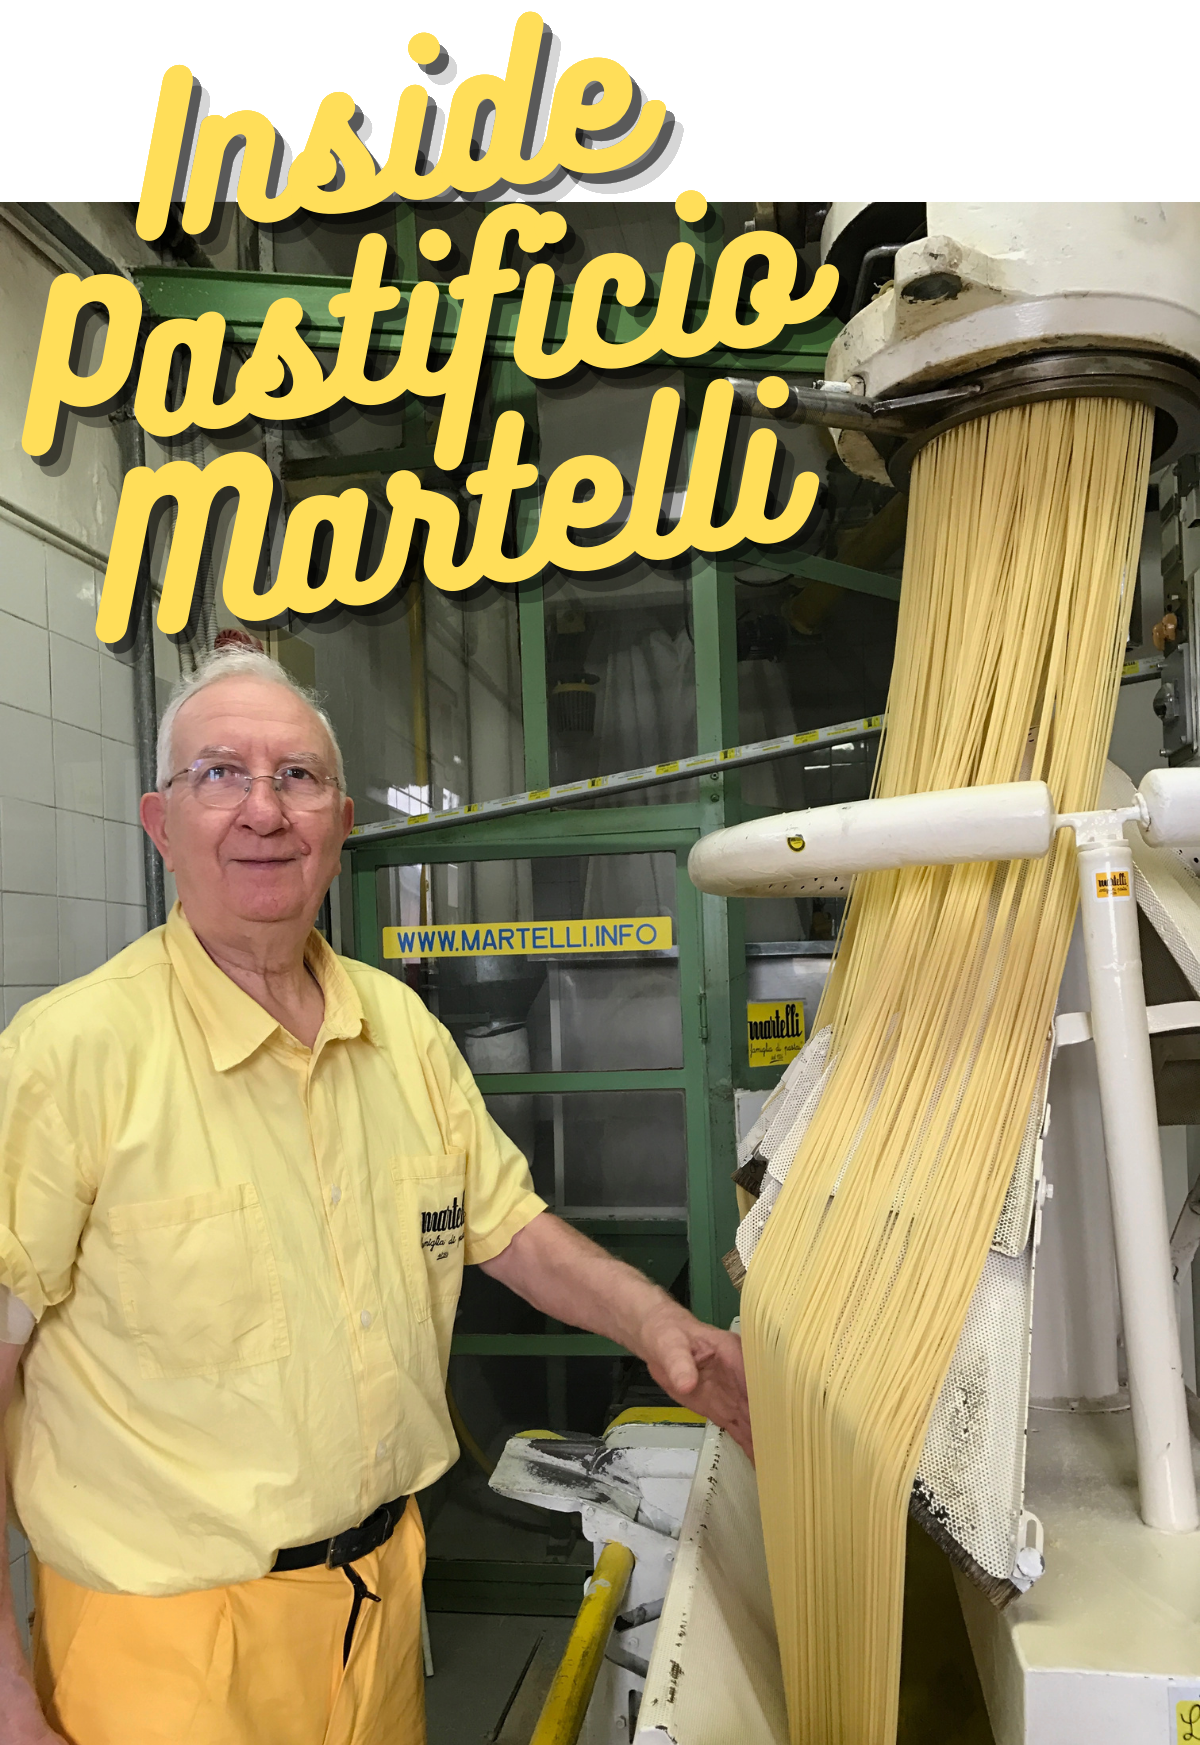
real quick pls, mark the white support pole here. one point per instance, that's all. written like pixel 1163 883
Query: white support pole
pixel 1110 933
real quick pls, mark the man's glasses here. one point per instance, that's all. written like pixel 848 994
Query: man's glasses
pixel 223 784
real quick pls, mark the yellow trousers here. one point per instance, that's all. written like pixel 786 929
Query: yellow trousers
pixel 259 1663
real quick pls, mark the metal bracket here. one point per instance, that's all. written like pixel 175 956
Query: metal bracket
pixel 1072 1027
pixel 1030 1562
pixel 906 422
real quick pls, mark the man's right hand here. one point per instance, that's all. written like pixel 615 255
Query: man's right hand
pixel 21 1719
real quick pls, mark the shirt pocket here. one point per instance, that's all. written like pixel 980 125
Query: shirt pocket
pixel 430 1188
pixel 198 1282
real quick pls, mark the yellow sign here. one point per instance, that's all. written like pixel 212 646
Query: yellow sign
pixel 774 1031
pixel 530 938
pixel 1187 1721
pixel 1115 884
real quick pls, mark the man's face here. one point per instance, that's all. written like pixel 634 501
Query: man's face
pixel 257 861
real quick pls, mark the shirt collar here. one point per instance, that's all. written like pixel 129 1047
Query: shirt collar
pixel 234 1024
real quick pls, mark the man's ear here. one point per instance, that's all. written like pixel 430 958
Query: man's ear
pixel 153 813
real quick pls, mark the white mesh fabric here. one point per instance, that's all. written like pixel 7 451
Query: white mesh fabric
pixel 765 1139
pixel 775 1139
pixel 1016 1215
pixel 776 1135
pixel 971 1476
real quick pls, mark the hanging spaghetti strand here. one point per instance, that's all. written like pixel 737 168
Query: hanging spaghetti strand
pixel 1023 539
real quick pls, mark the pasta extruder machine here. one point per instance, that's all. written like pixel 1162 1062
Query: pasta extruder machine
pixel 1063 1484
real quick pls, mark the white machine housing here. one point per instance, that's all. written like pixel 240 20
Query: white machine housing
pixel 1017 280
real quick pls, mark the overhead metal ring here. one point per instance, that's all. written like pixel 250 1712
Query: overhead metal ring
pixel 1166 383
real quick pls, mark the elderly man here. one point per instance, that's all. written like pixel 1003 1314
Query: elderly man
pixel 215 1156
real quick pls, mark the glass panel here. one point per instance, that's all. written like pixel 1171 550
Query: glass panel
pixel 620 677
pixel 569 1012
pixel 602 1152
pixel 616 1017
pixel 811 654
pixel 791 679
pixel 620 661
pixel 473 662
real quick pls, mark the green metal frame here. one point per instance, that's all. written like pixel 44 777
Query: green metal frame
pixel 704 1077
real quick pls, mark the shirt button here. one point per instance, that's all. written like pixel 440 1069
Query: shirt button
pixel 365 1317
pixel 381 1451
pixel 335 1195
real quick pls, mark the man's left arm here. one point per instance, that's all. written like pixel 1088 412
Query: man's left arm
pixel 573 1279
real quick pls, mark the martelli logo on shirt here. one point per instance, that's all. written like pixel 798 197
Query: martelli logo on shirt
pixel 451 1217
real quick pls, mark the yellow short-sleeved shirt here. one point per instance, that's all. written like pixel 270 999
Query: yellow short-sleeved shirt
pixel 244 1256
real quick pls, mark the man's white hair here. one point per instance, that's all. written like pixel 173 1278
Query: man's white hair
pixel 235 663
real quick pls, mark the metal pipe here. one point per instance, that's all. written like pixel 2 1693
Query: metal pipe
pixel 834 404
pixel 710 763
pixel 1166 1482
pixel 132 445
pixel 783 854
pixel 566 1705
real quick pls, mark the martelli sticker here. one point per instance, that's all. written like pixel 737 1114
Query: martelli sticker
pixel 774 1031
pixel 530 938
pixel 1112 884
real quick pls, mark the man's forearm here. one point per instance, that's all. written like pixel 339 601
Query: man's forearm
pixel 563 1274
pixel 575 1280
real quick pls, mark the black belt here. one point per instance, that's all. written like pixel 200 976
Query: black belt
pixel 343 1550
pixel 346 1547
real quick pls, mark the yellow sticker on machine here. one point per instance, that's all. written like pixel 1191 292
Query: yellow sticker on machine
pixel 530 938
pixel 1112 884
pixel 774 1031
pixel 1187 1720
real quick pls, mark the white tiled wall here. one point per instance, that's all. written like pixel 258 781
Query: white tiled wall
pixel 71 891
pixel 70 847
pixel 70 877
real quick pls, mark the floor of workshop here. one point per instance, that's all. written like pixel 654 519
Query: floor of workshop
pixel 484 1671
pixel 490 1672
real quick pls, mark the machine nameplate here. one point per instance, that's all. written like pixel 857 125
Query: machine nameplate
pixel 1112 884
